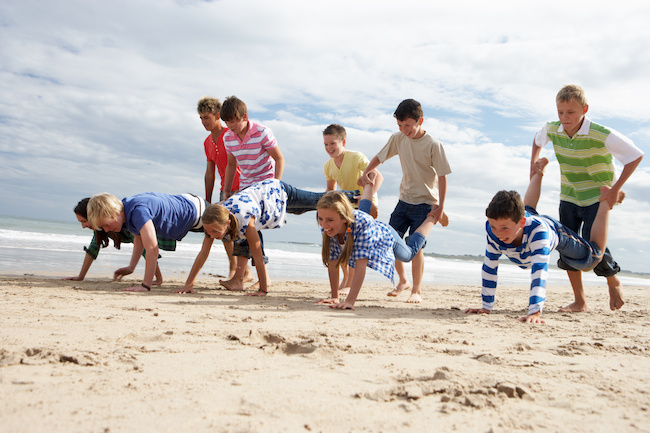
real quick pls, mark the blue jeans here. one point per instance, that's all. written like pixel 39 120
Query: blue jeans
pixel 404 251
pixel 300 201
pixel 575 251
pixel 573 216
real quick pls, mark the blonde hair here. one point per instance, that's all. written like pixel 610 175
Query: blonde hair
pixel 216 213
pixel 572 92
pixel 337 201
pixel 208 104
pixel 103 207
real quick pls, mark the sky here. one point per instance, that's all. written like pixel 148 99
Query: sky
pixel 100 96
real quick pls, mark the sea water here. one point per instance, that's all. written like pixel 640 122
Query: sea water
pixel 55 249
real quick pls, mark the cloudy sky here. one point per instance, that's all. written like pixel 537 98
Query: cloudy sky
pixel 101 96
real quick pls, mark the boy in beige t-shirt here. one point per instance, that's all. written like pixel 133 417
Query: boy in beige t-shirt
pixel 423 188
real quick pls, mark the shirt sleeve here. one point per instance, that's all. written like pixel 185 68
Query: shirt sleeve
pixel 93 249
pixel 622 148
pixel 540 258
pixel 541 138
pixel 489 275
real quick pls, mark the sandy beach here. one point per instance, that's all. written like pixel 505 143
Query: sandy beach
pixel 87 357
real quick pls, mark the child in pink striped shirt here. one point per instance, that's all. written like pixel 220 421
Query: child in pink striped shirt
pixel 253 148
pixel 249 145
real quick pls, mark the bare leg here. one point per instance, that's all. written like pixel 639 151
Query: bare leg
pixel 599 231
pixel 615 294
pixel 228 246
pixel 240 277
pixel 534 190
pixel 403 283
pixel 159 279
pixel 580 303
pixel 417 269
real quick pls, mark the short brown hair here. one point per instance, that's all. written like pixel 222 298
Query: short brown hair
pixel 208 104
pixel 336 130
pixel 408 109
pixel 233 108
pixel 506 204
pixel 572 92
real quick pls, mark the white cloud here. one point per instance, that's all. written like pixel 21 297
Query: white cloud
pixel 98 96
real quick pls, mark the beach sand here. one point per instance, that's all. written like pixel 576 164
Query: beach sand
pixel 87 357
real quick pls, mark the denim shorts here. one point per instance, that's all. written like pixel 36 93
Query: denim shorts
pixel 408 217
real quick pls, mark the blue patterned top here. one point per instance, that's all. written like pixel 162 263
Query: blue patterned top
pixel 265 201
pixel 373 240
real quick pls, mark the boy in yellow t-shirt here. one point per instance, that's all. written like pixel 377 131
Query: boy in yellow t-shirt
pixel 344 169
pixel 344 166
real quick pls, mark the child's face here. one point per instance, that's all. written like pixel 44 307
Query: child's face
pixel 238 126
pixel 215 231
pixel 411 128
pixel 83 221
pixel 331 222
pixel 571 114
pixel 209 120
pixel 333 146
pixel 507 231
pixel 111 225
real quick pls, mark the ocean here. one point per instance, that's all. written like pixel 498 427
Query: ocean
pixel 51 248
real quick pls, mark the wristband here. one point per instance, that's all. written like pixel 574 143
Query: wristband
pixel 145 286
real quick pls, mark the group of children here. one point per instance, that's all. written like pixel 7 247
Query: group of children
pixel 253 197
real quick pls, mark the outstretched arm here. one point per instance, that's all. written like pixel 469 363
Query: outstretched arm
pixel 198 264
pixel 373 164
pixel 333 274
pixel 88 261
pixel 534 156
pixel 255 246
pixel 209 179
pixel 276 154
pixel 355 286
pixel 147 241
pixel 611 196
pixel 229 177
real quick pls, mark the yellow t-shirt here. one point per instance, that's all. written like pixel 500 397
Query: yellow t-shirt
pixel 353 165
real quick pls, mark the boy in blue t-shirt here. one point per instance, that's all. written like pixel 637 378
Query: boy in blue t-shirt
pixel 515 230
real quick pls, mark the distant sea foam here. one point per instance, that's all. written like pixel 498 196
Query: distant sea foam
pixel 55 249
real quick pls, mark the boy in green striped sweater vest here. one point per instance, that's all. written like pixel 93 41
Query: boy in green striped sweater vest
pixel 585 151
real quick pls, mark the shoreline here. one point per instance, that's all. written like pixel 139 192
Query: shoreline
pixel 84 356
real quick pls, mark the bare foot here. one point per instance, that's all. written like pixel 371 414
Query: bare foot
pixel 541 164
pixel 399 289
pixel 256 293
pixel 575 307
pixel 136 289
pixel 156 283
pixel 444 220
pixel 232 284
pixel 615 294
pixel 415 298
pixel 344 291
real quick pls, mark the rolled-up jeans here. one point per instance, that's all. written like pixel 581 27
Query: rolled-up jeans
pixel 404 250
pixel 300 201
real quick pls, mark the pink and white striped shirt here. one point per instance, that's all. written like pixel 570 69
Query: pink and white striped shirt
pixel 251 153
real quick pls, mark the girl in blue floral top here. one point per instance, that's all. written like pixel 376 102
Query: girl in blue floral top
pixel 263 205
pixel 353 236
